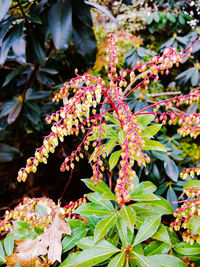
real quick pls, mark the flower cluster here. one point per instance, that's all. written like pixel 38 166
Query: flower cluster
pixel 87 102
pixel 29 211
pixel 186 214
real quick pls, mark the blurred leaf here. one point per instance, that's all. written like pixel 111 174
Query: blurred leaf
pixel 104 10
pixel 34 95
pixel 171 17
pixel 8 153
pixel 195 77
pixel 60 23
pixel 18 44
pixel 4 7
pixel 35 46
pixel 110 145
pixel 83 35
pixel 193 183
pixel 15 111
pixel 168 261
pixel 9 244
pixel 172 198
pixel 171 169
pixel 2 254
pixel 194 225
pixel 149 19
pixel 13 74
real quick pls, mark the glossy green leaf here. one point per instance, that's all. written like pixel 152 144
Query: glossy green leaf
pixel 146 261
pixel 60 23
pixel 151 130
pixel 114 239
pixel 100 187
pixel 9 244
pixel 162 235
pixel 171 169
pixel 69 242
pixel 144 120
pixel 113 119
pixel 118 260
pixel 167 261
pixel 154 145
pixel 146 186
pixel 92 209
pixel 113 160
pixel 69 261
pixel 125 234
pixel 128 215
pixel 121 136
pixel 161 206
pixel 4 7
pixel 109 195
pixel 138 195
pixel 103 226
pixel 187 248
pixel 156 247
pixel 95 255
pixel 148 228
pixel 110 145
pixel 96 198
pixel 2 254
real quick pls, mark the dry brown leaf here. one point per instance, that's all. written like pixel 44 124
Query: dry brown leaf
pixel 27 252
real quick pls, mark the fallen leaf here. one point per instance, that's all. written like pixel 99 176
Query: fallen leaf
pixel 27 251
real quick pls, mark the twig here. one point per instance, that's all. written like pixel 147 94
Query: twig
pixel 67 184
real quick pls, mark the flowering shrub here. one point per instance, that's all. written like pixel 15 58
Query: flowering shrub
pixel 99 110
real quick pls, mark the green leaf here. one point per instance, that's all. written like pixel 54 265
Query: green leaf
pixel 156 247
pixel 114 158
pixel 194 225
pixel 69 242
pixel 92 209
pixel 146 186
pixel 110 145
pixel 15 111
pixel 162 235
pixel 9 244
pixel 113 119
pixel 100 187
pixel 181 19
pixel 193 183
pixel 144 120
pixel 96 198
pixel 8 153
pixel 168 261
pixel 13 74
pixel 154 145
pixel 36 46
pixel 128 215
pixel 171 169
pixel 2 254
pixel 156 17
pixel 95 255
pixel 69 261
pixel 114 239
pixel 161 206
pixel 171 17
pixel 22 230
pixel 146 261
pixel 138 195
pixel 118 260
pixel 109 195
pixel 187 248
pixel 88 243
pixel 149 19
pixel 103 226
pixel 148 228
pixel 60 23
pixel 4 7
pixel 151 130
pixel 125 234
pixel 121 136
